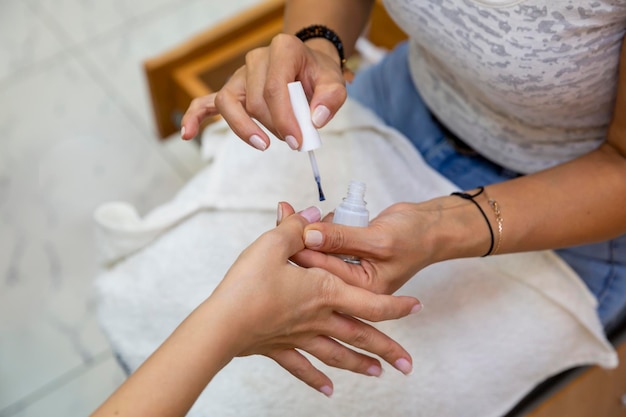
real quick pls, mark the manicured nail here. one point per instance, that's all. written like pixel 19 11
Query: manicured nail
pixel 416 308
pixel 326 390
pixel 374 370
pixel 403 366
pixel 292 142
pixel 279 215
pixel 313 238
pixel 257 142
pixel 312 214
pixel 320 116
pixel 182 132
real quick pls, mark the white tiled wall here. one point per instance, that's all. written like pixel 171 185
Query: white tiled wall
pixel 75 131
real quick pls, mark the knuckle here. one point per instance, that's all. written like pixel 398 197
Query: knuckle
pixel 340 93
pixel 327 288
pixel 253 56
pixel 220 98
pixel 338 357
pixel 254 105
pixel 195 103
pixel 376 311
pixel 299 371
pixel 272 88
pixel 361 337
pixel 273 239
pixel 387 349
pixel 334 241
pixel 370 282
pixel 283 40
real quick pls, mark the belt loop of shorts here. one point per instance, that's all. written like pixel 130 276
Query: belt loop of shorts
pixel 459 146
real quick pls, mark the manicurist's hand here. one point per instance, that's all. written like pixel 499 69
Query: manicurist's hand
pixel 398 243
pixel 258 90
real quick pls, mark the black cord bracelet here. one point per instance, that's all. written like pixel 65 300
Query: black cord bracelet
pixel 471 197
pixel 321 31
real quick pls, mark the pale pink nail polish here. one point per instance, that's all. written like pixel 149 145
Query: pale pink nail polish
pixel 326 390
pixel 416 308
pixel 374 370
pixel 312 214
pixel 320 116
pixel 182 132
pixel 292 142
pixel 403 366
pixel 313 238
pixel 279 213
pixel 257 142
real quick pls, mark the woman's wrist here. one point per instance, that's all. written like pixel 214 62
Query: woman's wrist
pixel 218 318
pixel 324 46
pixel 315 32
pixel 458 229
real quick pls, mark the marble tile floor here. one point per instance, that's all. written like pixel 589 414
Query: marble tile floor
pixel 75 131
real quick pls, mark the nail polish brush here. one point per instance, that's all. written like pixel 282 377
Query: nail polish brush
pixel 310 136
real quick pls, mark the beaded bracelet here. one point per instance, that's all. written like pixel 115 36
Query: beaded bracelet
pixel 471 197
pixel 321 31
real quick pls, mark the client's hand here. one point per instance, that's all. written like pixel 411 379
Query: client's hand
pixel 266 305
pixel 278 307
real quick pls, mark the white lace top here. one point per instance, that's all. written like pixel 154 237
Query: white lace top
pixel 530 83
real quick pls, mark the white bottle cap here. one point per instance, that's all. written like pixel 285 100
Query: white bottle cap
pixel 300 105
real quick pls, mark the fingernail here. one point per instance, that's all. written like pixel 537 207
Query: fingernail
pixel 312 214
pixel 403 366
pixel 313 238
pixel 257 142
pixel 320 116
pixel 279 215
pixel 182 132
pixel 292 142
pixel 326 390
pixel 374 370
pixel 416 308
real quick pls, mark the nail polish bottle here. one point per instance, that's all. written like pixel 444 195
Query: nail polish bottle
pixel 352 212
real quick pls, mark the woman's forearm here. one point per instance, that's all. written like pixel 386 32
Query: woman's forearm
pixel 347 18
pixel 172 378
pixel 578 202
pixel 582 201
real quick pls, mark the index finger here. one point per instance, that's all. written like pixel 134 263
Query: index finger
pixel 199 110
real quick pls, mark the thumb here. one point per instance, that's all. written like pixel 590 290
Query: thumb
pixel 287 236
pixel 339 239
pixel 326 101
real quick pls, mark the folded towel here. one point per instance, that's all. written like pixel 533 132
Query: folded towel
pixel 491 329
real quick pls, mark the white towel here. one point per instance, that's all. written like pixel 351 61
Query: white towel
pixel 490 331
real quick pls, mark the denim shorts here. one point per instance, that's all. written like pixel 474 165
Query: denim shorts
pixel 387 89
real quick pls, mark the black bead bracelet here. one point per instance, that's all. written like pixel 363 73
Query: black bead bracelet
pixel 321 31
